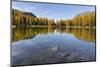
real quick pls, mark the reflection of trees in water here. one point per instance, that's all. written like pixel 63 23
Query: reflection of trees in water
pixel 26 33
pixel 80 33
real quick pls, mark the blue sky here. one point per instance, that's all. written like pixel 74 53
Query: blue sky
pixel 52 11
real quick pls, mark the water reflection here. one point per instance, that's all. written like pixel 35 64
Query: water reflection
pixel 41 45
pixel 28 33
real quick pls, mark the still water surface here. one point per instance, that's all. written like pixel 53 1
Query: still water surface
pixel 52 45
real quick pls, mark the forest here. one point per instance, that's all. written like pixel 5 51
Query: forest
pixel 24 19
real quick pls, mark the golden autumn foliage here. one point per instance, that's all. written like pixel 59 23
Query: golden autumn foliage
pixel 21 19
pixel 79 33
pixel 87 19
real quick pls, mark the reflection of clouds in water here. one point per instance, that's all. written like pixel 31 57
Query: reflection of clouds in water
pixel 84 58
pixel 73 56
pixel 54 48
pixel 62 54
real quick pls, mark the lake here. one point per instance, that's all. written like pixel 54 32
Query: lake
pixel 46 45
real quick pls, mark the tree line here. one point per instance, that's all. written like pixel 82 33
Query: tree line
pixel 21 19
pixel 86 19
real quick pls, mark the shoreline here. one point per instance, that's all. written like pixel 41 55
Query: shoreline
pixel 86 27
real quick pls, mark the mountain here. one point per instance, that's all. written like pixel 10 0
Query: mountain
pixel 30 14
pixel 22 12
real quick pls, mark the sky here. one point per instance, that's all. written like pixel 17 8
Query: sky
pixel 50 10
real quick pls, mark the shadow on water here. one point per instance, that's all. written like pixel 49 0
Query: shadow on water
pixel 43 45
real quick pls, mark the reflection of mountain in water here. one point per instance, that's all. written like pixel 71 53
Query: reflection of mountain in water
pixel 27 33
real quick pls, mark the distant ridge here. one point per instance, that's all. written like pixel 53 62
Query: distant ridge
pixel 26 13
pixel 30 14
